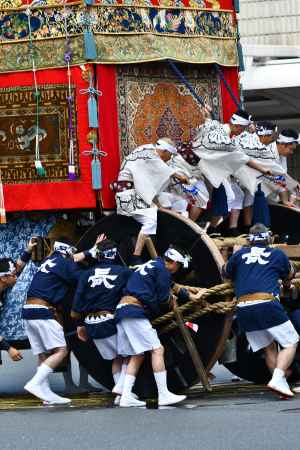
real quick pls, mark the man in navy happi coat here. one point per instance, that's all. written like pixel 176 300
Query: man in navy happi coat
pixel 147 289
pixel 56 276
pixel 256 271
pixel 98 292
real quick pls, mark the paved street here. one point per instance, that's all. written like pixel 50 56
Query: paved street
pixel 232 418
pixel 243 422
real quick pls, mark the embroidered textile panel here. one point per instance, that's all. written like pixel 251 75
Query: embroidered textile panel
pixel 123 34
pixel 18 129
pixel 154 104
pixel 123 49
pixel 214 4
pixel 47 193
pixel 50 23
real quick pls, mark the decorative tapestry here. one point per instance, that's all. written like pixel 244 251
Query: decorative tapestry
pixel 154 104
pixel 59 114
pixel 18 132
pixel 121 32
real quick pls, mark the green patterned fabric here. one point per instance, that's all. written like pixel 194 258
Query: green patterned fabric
pixel 123 34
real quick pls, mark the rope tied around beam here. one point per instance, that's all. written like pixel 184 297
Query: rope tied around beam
pixel 199 306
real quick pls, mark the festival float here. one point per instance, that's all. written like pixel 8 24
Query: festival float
pixel 82 83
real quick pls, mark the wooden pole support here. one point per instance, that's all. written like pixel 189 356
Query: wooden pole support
pixel 194 354
pixel 150 247
pixel 190 344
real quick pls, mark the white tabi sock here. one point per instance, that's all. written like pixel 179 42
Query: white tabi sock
pixel 118 389
pixel 42 373
pixel 128 385
pixel 116 377
pixel 277 374
pixel 161 381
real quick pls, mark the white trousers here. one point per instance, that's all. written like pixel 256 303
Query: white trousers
pixel 136 336
pixel 44 335
pixel 236 200
pixel 148 219
pixel 107 347
pixel 285 335
pixel 173 201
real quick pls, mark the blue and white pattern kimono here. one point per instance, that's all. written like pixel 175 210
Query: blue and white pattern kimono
pixel 14 237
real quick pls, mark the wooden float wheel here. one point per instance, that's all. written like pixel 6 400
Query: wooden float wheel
pixel 204 271
pixel 248 366
pixel 285 221
pixel 251 366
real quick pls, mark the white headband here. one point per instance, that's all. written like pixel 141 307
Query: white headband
pixel 110 253
pixel 286 139
pixel 174 255
pixel 238 120
pixel 259 236
pixel 10 271
pixel 63 248
pixel 261 131
pixel 163 145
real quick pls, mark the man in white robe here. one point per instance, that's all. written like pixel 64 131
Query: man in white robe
pixel 193 196
pixel 284 147
pixel 272 155
pixel 143 175
pixel 257 146
pixel 219 159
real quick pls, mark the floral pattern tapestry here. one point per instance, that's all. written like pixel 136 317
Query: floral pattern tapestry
pixel 152 103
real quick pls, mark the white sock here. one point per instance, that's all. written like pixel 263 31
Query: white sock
pixel 42 373
pixel 120 383
pixel 116 376
pixel 161 381
pixel 128 384
pixel 278 373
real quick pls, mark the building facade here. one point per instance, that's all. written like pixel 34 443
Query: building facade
pixel 270 22
pixel 270 35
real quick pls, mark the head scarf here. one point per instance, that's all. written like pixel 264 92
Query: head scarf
pixel 64 249
pixel 175 255
pixel 238 118
pixel 163 145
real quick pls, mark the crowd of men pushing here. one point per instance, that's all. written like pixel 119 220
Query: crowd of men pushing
pixel 113 306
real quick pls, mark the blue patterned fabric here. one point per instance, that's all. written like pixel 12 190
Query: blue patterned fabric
pixel 14 237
